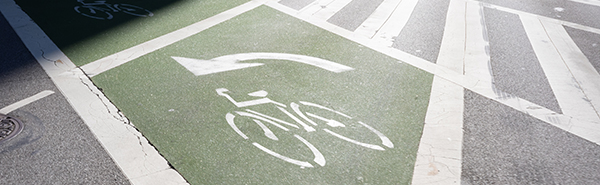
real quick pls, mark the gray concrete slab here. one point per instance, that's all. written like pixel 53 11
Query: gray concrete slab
pixel 424 30
pixel 504 146
pixel 55 146
pixel 515 67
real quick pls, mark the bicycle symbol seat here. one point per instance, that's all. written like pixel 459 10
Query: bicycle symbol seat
pixel 102 10
pixel 302 122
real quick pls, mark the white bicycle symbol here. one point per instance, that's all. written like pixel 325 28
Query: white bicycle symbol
pixel 101 10
pixel 259 118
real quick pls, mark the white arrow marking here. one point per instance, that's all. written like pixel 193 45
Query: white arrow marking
pixel 231 62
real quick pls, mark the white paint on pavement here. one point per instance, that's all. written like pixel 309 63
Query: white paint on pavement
pixel 117 59
pixel 25 101
pixel 578 64
pixel 439 155
pixel 572 100
pixel 314 7
pixel 138 160
pixel 394 25
pixel 582 128
pixel 374 22
pixel 548 19
pixel 330 9
pixel 588 2
pixel 231 62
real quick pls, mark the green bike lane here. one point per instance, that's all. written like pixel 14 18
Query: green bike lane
pixel 186 119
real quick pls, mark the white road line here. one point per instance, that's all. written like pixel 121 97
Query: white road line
pixel 566 23
pixel 370 26
pixel 134 52
pixel 394 25
pixel 570 124
pixel 578 64
pixel 25 101
pixel 314 7
pixel 568 92
pixel 138 160
pixel 328 11
pixel 439 157
pixel 588 2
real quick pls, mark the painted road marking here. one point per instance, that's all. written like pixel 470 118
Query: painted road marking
pixel 395 23
pixel 381 15
pixel 117 59
pixel 578 64
pixel 588 2
pixel 102 10
pixel 319 158
pixel 440 150
pixel 572 99
pixel 25 101
pixel 582 128
pixel 552 20
pixel 230 62
pixel 139 161
pixel 330 9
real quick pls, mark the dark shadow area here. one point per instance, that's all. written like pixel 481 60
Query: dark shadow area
pixel 69 21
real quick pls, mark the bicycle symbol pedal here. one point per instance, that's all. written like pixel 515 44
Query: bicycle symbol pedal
pixel 303 120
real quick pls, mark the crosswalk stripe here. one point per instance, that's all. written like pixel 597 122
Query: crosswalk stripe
pixel 329 10
pixel 439 156
pixel 396 23
pixel 568 93
pixel 314 7
pixel 582 71
pixel 588 2
pixel 370 26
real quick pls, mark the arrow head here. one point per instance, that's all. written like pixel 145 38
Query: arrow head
pixel 204 67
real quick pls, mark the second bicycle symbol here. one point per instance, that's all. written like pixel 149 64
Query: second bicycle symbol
pixel 297 117
pixel 103 11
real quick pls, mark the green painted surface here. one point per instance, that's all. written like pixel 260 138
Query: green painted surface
pixel 85 39
pixel 182 115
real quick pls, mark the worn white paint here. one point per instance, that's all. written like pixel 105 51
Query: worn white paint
pixel 396 22
pixel 546 19
pixel 25 101
pixel 566 88
pixel 583 128
pixel 588 2
pixel 330 9
pixel 374 22
pixel 314 7
pixel 439 155
pixel 232 62
pixel 119 58
pixel 579 66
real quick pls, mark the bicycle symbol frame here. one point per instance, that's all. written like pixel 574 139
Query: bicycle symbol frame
pixel 102 10
pixel 302 119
